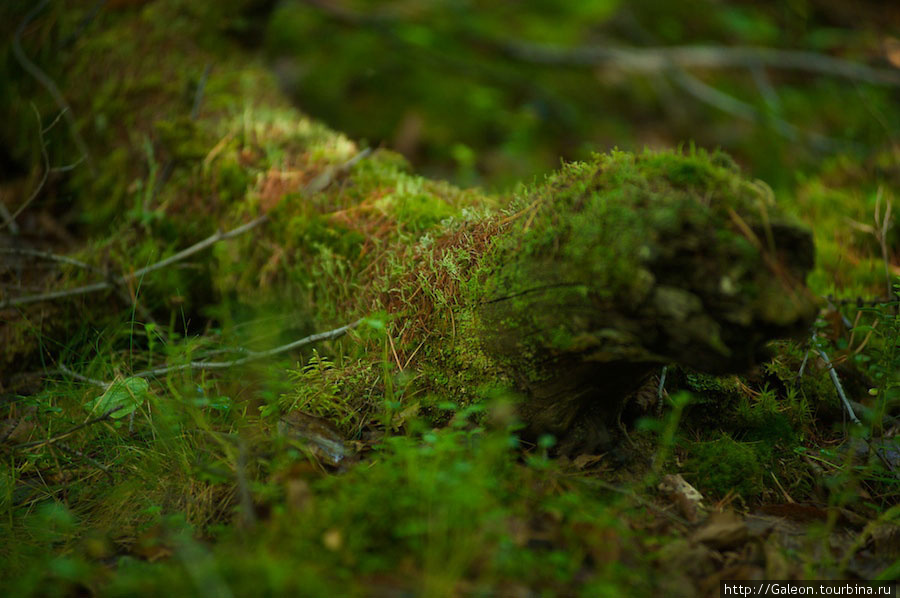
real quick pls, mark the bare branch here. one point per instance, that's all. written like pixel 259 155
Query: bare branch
pixel 99 286
pixel 91 288
pixel 10 220
pixel 78 376
pixel 712 57
pixel 201 88
pixel 44 255
pixel 76 453
pixel 70 431
pixel 251 355
pixel 318 183
pixel 648 59
pixel 838 386
pixel 6 217
pixel 731 105
pixel 210 240
pixel 42 78
pixel 68 167
pixel 210 365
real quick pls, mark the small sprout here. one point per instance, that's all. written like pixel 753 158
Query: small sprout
pixel 546 441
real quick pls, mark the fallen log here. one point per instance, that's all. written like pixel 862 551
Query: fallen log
pixel 612 268
pixel 566 293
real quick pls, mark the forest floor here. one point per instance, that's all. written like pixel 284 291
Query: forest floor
pixel 313 451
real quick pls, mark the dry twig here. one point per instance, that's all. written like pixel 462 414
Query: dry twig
pixel 11 218
pixel 45 255
pixel 70 431
pixel 710 57
pixel 317 184
pixel 42 78
pixel 221 365
pixel 251 355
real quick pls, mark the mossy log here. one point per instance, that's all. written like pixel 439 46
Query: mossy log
pixel 567 292
pixel 628 263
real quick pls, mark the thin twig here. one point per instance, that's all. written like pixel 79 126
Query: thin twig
pixel 802 367
pixel 710 57
pixel 70 431
pixel 837 383
pixel 394 351
pixel 648 59
pixel 99 286
pixel 67 167
pixel 198 95
pixel 49 127
pixel 75 452
pixel 44 255
pixel 766 89
pixel 83 24
pixel 197 247
pixel 210 240
pixel 219 365
pixel 844 319
pixel 91 288
pixel 42 78
pixel 661 389
pixel 10 221
pixel 731 105
pixel 78 376
pixel 251 355
pixel 6 217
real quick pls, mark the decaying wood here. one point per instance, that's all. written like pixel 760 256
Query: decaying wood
pixel 569 293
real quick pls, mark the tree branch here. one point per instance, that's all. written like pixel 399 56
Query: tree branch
pixel 45 255
pixel 221 365
pixel 713 57
pixel 251 355
pixel 70 431
pixel 317 184
pixel 11 218
pixel 42 78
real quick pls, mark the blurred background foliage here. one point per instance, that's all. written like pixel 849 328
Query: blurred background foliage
pixel 493 92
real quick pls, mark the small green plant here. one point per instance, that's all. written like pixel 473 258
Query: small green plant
pixel 317 391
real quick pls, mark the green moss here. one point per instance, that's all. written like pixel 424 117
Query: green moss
pixel 725 465
pixel 415 209
pixel 182 139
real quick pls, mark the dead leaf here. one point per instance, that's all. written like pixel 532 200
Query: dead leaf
pixel 150 545
pixel 16 429
pixel 400 418
pixel 722 530
pixel 892 51
pixel 696 560
pixel 333 539
pixel 298 496
pixel 584 461
pixel 686 498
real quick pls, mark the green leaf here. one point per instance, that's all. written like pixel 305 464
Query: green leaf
pixel 123 395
